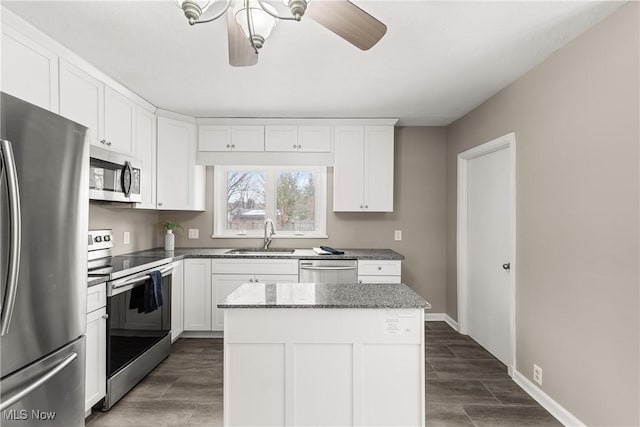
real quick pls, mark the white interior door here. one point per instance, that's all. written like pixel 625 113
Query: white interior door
pixel 489 246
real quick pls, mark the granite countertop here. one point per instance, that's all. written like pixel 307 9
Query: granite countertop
pixel 181 253
pixel 323 295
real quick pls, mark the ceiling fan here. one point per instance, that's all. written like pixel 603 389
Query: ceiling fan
pixel 250 22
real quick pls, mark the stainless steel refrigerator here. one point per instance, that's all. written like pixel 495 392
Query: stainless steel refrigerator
pixel 44 162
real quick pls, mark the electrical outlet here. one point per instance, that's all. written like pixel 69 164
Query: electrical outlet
pixel 126 238
pixel 537 374
pixel 194 233
pixel 398 234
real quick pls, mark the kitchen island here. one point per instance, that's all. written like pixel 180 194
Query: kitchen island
pixel 323 354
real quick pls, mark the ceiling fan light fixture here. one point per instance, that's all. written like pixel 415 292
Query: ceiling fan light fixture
pixel 193 9
pixel 262 23
pixel 297 7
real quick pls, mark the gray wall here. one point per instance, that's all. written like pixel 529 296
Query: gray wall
pixel 576 119
pixel 143 226
pixel 419 210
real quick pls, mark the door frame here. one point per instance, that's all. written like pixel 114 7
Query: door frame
pixel 506 141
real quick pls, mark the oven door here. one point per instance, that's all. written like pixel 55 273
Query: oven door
pixel 129 332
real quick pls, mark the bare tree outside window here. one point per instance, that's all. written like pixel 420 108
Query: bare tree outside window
pixel 246 191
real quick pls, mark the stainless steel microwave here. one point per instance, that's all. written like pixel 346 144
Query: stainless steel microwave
pixel 113 177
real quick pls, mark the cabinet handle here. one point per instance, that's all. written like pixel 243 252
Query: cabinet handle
pixel 360 281
pixel 228 145
pixel 361 206
pixel 257 280
pixel 299 146
pixel 366 206
pixel 108 144
pixel 159 203
pixel 102 141
pixel 233 145
pixel 250 280
pixel 379 268
pixel 105 316
pixel 295 146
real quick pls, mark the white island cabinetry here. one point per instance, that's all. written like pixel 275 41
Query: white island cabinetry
pixel 323 361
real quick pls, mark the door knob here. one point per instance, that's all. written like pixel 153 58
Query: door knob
pixel 507 266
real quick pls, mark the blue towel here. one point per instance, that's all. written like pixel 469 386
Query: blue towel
pixel 153 292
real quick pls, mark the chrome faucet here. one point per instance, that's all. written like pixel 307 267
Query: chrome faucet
pixel 268 238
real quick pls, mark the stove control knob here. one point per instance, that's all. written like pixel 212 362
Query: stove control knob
pixel 107 238
pixel 98 239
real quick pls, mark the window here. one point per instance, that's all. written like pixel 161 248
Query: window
pixel 294 198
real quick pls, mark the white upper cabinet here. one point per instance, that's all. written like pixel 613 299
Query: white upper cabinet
pixel 180 182
pixel 363 169
pixel 314 139
pixel 230 138
pixel 82 100
pixel 146 152
pixel 119 117
pixel 29 71
pixel 310 139
pixel 281 138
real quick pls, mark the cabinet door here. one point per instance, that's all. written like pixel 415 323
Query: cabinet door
pixel 281 138
pixel 96 358
pixel 314 139
pixel 119 116
pixel 146 153
pixel 82 100
pixel 177 300
pixel 214 138
pixel 177 174
pixel 348 179
pixel 378 169
pixel 197 295
pixel 29 71
pixel 222 286
pixel 247 138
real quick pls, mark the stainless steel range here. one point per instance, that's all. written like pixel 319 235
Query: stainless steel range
pixel 138 337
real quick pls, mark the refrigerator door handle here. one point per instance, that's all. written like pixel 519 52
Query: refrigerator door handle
pixel 16 235
pixel 38 382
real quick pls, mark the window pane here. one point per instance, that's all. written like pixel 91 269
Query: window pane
pixel 245 200
pixel 296 201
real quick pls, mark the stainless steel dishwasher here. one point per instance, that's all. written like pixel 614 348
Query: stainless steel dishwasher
pixel 328 271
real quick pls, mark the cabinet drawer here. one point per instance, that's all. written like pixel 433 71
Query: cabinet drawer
pixel 96 297
pixel 254 266
pixel 379 268
pixel 379 279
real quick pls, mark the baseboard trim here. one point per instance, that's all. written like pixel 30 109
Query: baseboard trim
pixel 441 317
pixel 554 408
pixel 202 334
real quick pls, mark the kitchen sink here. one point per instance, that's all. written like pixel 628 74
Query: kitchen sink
pixel 260 251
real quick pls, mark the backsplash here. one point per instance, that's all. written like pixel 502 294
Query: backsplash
pixel 142 225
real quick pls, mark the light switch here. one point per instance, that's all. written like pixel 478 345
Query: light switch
pixel 398 235
pixel 126 237
pixel 194 233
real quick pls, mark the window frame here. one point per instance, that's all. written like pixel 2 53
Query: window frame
pixel 220 202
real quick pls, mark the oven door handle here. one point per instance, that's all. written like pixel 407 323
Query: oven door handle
pixel 138 280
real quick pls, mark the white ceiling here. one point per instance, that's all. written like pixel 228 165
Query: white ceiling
pixel 437 61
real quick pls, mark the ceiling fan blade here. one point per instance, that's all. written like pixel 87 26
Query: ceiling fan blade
pixel 348 21
pixel 241 53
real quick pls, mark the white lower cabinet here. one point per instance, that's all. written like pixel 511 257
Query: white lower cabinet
pixel 96 347
pixel 379 271
pixel 177 300
pixel 197 294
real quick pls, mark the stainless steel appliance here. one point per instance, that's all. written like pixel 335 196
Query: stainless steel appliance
pixel 136 341
pixel 43 224
pixel 328 271
pixel 113 177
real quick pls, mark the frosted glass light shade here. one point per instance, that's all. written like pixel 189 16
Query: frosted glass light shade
pixel 263 23
pixel 202 4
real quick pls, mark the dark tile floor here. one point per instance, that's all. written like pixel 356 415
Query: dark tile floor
pixel 465 386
